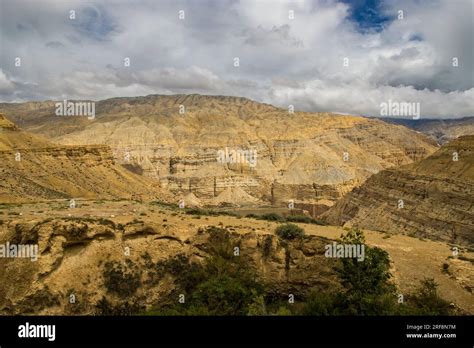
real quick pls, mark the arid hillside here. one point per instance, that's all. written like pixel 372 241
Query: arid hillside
pixel 127 256
pixel 312 158
pixel 34 169
pixel 432 198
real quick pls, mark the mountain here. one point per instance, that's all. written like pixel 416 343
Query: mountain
pixel 310 158
pixel 35 169
pixel 440 130
pixel 437 195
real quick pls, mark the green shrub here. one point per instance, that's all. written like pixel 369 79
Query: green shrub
pixel 304 219
pixel 426 300
pixel 290 218
pixel 121 280
pixel 257 306
pixel 223 284
pixel 225 295
pixel 104 307
pixel 272 217
pixel 217 287
pixel 289 231
pixel 205 212
pixel 300 218
pixel 195 211
pixel 319 304
pixel 251 216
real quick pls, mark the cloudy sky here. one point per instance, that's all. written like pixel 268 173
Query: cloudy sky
pixel 344 56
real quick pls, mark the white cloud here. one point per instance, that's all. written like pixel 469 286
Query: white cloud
pixel 282 61
pixel 6 86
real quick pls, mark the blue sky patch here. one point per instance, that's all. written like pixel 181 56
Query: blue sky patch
pixel 368 15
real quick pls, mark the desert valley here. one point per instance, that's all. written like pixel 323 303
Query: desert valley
pixel 123 206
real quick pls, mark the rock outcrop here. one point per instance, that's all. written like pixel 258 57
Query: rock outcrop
pixel 87 258
pixel 432 198
pixel 32 169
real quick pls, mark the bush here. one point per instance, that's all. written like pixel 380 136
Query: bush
pixel 426 300
pixel 187 274
pixel 223 284
pixel 369 276
pixel 257 306
pixel 300 218
pixel 121 280
pixel 272 217
pixel 218 287
pixel 251 216
pixel 290 218
pixel 304 219
pixel 205 212
pixel 289 231
pixel 220 243
pixel 104 307
pixel 229 294
pixel 196 211
pixel 319 304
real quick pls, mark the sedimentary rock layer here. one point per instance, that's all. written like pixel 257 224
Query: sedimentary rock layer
pixel 432 198
pixel 311 158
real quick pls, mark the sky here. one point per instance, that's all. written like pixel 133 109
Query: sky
pixel 346 56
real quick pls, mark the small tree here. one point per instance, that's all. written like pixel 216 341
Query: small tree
pixel 369 291
pixel 289 231
pixel 426 300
